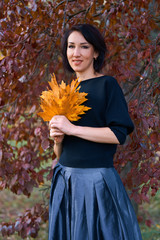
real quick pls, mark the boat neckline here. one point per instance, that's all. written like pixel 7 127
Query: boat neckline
pixel 86 80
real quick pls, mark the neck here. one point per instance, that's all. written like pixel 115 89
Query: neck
pixel 83 77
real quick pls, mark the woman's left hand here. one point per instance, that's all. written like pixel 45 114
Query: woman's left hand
pixel 62 123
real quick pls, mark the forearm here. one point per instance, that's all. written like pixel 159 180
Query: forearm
pixel 101 135
pixel 57 149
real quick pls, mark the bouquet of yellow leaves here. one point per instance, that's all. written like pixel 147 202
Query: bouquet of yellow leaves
pixel 64 100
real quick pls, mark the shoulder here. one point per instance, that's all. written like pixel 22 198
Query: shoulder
pixel 111 84
pixel 106 84
pixel 110 80
pixel 107 80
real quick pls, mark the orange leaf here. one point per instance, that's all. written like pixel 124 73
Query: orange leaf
pixel 63 100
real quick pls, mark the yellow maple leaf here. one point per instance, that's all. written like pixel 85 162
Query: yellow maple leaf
pixel 64 100
pixel 1 56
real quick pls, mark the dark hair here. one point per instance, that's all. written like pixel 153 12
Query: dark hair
pixel 94 37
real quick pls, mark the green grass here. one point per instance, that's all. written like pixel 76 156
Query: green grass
pixel 152 233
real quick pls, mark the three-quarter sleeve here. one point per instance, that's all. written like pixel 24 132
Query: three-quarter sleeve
pixel 117 116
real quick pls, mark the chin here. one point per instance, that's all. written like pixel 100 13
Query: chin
pixel 77 69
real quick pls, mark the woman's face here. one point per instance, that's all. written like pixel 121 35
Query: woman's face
pixel 80 54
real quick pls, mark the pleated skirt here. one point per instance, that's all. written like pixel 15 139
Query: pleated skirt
pixel 90 204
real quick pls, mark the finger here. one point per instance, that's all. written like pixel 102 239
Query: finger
pixel 54 134
pixel 52 120
pixel 58 139
pixel 56 130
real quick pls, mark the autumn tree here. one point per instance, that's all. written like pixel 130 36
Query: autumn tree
pixel 30 35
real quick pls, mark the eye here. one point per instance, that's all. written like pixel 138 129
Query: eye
pixel 71 46
pixel 85 47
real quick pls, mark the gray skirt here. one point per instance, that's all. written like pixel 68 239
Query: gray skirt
pixel 90 204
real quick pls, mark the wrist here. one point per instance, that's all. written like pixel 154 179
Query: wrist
pixel 76 130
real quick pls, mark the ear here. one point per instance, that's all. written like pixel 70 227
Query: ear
pixel 96 54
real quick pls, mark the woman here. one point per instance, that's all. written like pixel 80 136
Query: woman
pixel 87 199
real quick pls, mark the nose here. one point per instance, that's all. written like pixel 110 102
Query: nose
pixel 76 52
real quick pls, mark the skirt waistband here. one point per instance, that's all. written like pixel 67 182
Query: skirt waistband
pixel 82 170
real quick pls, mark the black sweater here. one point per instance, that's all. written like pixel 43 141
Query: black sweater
pixel 108 109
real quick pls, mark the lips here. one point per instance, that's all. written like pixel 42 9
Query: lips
pixel 77 62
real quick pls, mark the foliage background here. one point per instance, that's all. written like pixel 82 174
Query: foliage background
pixel 30 34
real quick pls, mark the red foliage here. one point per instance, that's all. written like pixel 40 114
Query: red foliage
pixel 30 33
pixel 28 224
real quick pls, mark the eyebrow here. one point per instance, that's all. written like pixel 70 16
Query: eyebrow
pixel 80 43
